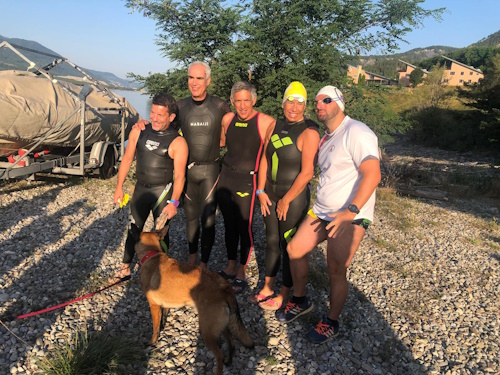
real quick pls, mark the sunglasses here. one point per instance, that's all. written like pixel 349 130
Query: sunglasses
pixel 326 101
pixel 292 98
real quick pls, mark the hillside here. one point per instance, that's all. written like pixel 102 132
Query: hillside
pixel 9 60
pixel 387 65
pixel 492 40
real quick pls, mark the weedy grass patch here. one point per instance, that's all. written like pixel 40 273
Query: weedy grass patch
pixel 91 354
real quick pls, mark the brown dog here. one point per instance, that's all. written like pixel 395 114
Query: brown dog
pixel 168 283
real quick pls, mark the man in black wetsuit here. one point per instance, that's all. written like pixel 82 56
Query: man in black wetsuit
pixel 243 133
pixel 161 162
pixel 200 117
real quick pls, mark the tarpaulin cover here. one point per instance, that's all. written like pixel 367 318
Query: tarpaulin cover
pixel 31 105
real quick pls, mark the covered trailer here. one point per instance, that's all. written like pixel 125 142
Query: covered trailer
pixel 51 125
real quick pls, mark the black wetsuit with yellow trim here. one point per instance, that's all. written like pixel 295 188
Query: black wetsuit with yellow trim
pixel 154 172
pixel 200 122
pixel 284 162
pixel 237 184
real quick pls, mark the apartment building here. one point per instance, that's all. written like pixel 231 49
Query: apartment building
pixel 458 74
pixel 404 73
pixel 355 72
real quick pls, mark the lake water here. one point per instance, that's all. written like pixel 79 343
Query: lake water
pixel 141 102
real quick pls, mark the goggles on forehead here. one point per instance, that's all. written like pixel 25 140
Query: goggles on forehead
pixel 292 98
pixel 325 100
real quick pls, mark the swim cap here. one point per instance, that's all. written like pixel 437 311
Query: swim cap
pixel 295 90
pixel 335 94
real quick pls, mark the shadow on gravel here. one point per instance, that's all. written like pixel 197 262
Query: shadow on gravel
pixel 21 245
pixel 366 344
pixel 56 278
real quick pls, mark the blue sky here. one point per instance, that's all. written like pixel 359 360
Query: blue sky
pixel 104 35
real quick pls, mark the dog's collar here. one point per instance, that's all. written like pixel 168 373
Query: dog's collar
pixel 149 255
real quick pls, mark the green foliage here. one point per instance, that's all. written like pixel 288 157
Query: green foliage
pixel 278 41
pixel 485 98
pixel 95 355
pixel 433 93
pixel 492 40
pixel 369 105
pixel 436 123
pixel 416 77
pixel 362 80
pixel 191 30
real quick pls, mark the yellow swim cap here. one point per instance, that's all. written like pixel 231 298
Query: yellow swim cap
pixel 296 90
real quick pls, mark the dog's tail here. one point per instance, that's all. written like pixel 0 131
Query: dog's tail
pixel 236 325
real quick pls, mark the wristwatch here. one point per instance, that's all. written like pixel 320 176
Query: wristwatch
pixel 353 208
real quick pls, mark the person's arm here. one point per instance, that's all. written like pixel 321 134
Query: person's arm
pixel 226 120
pixel 370 178
pixel 264 200
pixel 308 143
pixel 178 151
pixel 126 162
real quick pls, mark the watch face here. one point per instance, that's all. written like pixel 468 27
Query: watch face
pixel 353 208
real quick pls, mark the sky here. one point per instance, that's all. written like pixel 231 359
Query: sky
pixel 104 35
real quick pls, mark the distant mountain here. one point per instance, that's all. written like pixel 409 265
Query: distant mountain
pixel 492 40
pixel 9 60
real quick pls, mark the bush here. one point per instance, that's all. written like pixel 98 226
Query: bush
pixel 369 105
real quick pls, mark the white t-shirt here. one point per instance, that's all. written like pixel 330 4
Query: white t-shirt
pixel 340 155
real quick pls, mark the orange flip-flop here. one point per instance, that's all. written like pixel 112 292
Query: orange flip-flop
pixel 270 304
pixel 257 298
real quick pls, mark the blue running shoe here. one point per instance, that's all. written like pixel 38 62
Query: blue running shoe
pixel 323 331
pixel 293 310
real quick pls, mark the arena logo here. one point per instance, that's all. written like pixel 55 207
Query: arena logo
pixel 152 145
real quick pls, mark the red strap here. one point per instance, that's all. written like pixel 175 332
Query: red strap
pixel 147 256
pixel 72 301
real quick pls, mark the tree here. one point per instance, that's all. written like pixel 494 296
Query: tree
pixel 279 41
pixel 485 98
pixel 416 77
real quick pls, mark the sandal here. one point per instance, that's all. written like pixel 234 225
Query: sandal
pixel 270 304
pixel 257 298
pixel 239 285
pixel 227 276
pixel 120 276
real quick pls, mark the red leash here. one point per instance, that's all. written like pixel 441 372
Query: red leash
pixel 70 302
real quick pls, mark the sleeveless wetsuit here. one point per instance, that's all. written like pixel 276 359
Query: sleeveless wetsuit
pixel 154 171
pixel 237 183
pixel 200 122
pixel 284 162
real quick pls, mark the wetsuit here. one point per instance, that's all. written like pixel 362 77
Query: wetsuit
pixel 284 161
pixel 154 173
pixel 200 122
pixel 237 184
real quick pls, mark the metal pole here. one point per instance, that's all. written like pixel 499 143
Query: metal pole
pixel 124 111
pixel 82 136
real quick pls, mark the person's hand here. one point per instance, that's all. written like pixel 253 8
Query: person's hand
pixel 118 196
pixel 170 210
pixel 265 202
pixel 282 209
pixel 141 125
pixel 340 222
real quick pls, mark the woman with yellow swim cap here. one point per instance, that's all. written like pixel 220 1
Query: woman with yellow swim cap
pixel 286 167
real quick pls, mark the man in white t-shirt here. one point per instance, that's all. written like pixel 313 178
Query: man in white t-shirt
pixel 345 200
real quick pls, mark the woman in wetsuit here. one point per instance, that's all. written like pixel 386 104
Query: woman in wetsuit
pixel 286 167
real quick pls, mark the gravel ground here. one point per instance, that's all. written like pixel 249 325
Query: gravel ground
pixel 424 289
